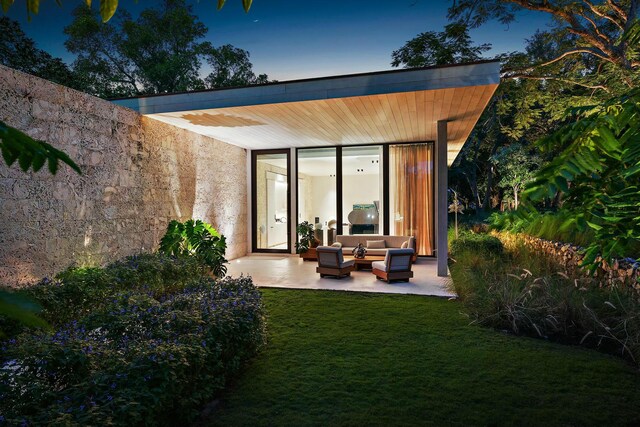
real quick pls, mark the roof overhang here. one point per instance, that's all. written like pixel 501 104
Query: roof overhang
pixel 389 106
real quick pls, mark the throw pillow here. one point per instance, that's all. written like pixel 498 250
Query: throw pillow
pixel 376 244
pixel 337 245
pixel 405 245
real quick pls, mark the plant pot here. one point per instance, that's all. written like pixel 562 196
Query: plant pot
pixel 310 255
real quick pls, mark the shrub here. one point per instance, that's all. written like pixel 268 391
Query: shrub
pixel 560 226
pixel 77 291
pixel 162 339
pixel 475 242
pixel 529 294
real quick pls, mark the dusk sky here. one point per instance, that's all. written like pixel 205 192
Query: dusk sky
pixel 298 39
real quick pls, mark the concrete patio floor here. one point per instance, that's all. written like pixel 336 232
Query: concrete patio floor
pixel 288 271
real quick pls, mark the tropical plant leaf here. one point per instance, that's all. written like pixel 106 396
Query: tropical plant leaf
pixel 108 9
pixel 221 4
pixel 20 308
pixel 6 4
pixel 199 239
pixel 29 152
pixel 246 4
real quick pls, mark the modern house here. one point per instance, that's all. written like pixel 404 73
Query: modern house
pixel 355 154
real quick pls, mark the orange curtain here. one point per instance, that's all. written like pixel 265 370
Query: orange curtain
pixel 412 181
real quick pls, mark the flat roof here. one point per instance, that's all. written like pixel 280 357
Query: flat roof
pixel 388 106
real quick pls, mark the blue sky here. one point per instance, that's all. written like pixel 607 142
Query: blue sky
pixel 291 39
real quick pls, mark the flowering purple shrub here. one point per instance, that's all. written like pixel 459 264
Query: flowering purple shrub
pixel 150 353
pixel 78 291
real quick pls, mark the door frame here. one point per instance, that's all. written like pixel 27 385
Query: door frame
pixel 254 200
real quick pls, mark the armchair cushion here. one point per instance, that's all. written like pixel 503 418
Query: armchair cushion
pixel 398 260
pixel 329 256
pixel 379 265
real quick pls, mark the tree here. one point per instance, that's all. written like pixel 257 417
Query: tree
pixel 515 166
pixel 19 52
pixel 107 7
pixel 129 57
pixel 451 46
pixel 231 67
pixel 602 37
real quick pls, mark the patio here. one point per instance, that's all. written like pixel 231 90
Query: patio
pixel 288 271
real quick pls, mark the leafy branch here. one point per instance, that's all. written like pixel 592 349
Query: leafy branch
pixel 107 7
pixel 31 153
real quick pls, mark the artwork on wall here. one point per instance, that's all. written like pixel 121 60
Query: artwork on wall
pixel 363 206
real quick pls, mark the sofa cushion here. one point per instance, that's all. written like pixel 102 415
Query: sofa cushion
pixel 390 241
pixel 379 251
pixel 376 244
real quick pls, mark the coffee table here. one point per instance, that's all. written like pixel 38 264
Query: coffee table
pixel 365 263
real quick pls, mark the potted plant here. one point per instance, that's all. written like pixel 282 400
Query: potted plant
pixel 307 242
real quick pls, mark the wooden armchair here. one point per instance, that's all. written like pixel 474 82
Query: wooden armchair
pixel 396 265
pixel 332 263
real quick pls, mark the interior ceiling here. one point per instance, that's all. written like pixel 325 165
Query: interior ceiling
pixel 370 119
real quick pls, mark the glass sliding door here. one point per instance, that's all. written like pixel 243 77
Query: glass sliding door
pixel 317 191
pixel 411 185
pixel 362 184
pixel 271 212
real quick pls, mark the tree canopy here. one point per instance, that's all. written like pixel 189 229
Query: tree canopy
pixel 19 52
pixel 451 46
pixel 130 57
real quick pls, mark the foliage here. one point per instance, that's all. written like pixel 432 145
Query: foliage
pixel 19 52
pixel 335 357
pixel 143 358
pixel 198 239
pixel 528 293
pixel 480 243
pixel 553 225
pixel 515 165
pixel 603 39
pixel 597 174
pixel 82 290
pixel 231 67
pixel 451 46
pixel 586 56
pixel 30 153
pixel 107 7
pixel 306 237
pixel 130 57
pixel 18 308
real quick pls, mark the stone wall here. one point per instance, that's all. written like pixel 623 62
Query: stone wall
pixel 138 174
pixel 622 272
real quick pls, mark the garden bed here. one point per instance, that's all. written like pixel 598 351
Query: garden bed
pixel 527 292
pixel 144 341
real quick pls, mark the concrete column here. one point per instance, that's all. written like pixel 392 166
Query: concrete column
pixel 293 199
pixel 442 186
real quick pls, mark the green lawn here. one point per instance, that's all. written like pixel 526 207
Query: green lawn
pixel 337 358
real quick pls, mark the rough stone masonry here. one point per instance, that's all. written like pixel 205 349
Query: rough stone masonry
pixel 137 174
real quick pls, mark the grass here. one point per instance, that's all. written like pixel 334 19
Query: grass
pixel 337 358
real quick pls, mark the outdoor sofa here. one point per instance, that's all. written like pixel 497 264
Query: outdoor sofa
pixel 376 244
